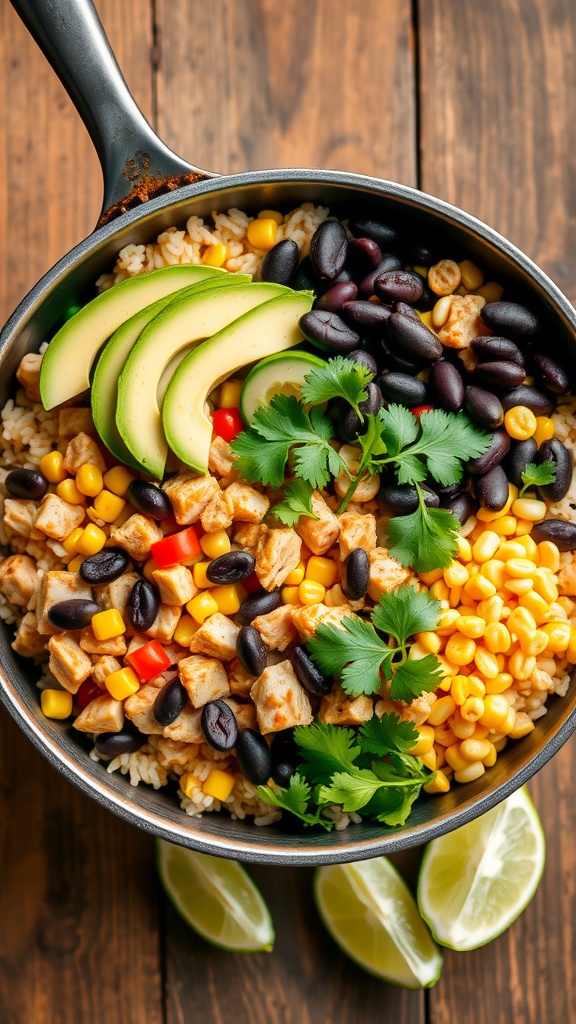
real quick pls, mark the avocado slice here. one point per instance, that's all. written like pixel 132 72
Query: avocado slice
pixel 184 322
pixel 110 363
pixel 65 369
pixel 268 329
pixel 282 374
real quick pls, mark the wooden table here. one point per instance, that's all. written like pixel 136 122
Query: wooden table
pixel 473 102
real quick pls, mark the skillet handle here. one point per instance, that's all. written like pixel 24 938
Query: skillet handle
pixel 136 164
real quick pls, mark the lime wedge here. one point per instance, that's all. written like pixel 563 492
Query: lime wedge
pixel 371 914
pixel 474 882
pixel 217 898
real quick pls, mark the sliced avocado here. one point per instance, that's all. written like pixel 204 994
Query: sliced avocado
pixel 282 374
pixel 110 363
pixel 183 323
pixel 266 330
pixel 65 369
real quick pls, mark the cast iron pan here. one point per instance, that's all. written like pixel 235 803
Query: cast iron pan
pixel 147 188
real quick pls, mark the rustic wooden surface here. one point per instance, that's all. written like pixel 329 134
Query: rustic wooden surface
pixel 474 103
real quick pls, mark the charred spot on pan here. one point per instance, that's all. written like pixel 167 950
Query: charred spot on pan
pixel 148 188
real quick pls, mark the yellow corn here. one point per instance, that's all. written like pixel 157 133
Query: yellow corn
pixel 89 480
pixel 108 624
pixel 219 784
pixel 215 255
pixel 424 742
pixel 290 595
pixel 429 760
pixel 497 638
pixel 470 773
pixel 459 689
pixel 472 626
pixel 490 760
pixel 118 480
pixel 123 683
pixel 476 686
pixel 199 574
pixel 461 729
pixel 536 605
pixel 464 549
pixel 262 233
pixel 439 590
pixel 485 516
pixel 441 711
pixel 544 429
pixel 444 736
pixel 455 596
pixel 149 568
pixel 295 577
pixel 571 649
pixel 441 311
pixel 520 422
pixel 529 508
pixel 417 652
pixel 548 556
pixel 520 665
pixel 521 617
pixel 69 544
pixel 274 215
pixel 472 276
pixel 456 575
pixel 68 491
pixel 475 749
pixel 545 584
pixel 230 394
pixel 439 784
pixel 523 725
pixel 519 586
pixel 504 527
pixel 523 527
pixel 311 592
pixel 486 663
pixel 92 540
pixel 108 506
pixel 511 549
pixel 448 670
pixel 213 545
pixel 491 608
pixel 472 709
pixel 455 759
pixel 519 568
pixel 322 570
pixel 530 546
pixel 495 714
pixel 185 630
pixel 491 291
pixel 479 587
pixel 533 642
pixel 74 565
pixel 189 783
pixel 425 316
pixel 486 546
pixel 559 634
pixel 56 703
pixel 52 467
pixel 495 571
pixel 503 681
pixel 228 598
pixel 428 578
pixel 429 641
pixel 201 607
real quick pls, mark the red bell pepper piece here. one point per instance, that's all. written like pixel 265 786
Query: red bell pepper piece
pixel 149 661
pixel 177 547
pixel 87 693
pixel 227 423
pixel 419 410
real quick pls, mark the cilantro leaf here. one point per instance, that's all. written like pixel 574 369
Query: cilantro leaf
pixel 406 611
pixel 354 651
pixel 392 806
pixel 352 791
pixel 295 799
pixel 372 444
pixel 399 428
pixel 326 749
pixel 297 501
pixel 447 440
pixel 426 539
pixel 389 732
pixel 257 462
pixel 338 378
pixel 538 476
pixel 415 677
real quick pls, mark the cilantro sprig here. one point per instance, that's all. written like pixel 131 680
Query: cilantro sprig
pixel 296 502
pixel 338 378
pixel 537 475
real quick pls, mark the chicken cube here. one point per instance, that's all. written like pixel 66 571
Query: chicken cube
pixel 245 503
pixel 220 459
pixel 82 450
pixel 19 580
pixel 28 373
pixel 239 679
pixel 567 579
pixel 176 585
pixel 216 515
pixel 56 518
pixel 244 713
pixel 103 714
pixel 28 641
pixel 277 554
pixel 321 533
pixel 136 536
pixel 337 708
pixel 73 420
pixel 247 535
pixel 58 586
pixel 216 638
pixel 116 645
pixel 190 494
pixel 165 623
pixel 416 711
pixel 204 679
pixel 277 628
pixel 464 321
pixel 308 618
pixel 335 598
pixel 68 662
pixel 139 708
pixel 187 727
pixel 116 593
pixel 173 754
pixel 105 666
pixel 20 517
pixel 386 574
pixel 281 701
pixel 356 531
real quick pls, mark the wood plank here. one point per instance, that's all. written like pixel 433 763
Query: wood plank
pixel 79 938
pixel 266 85
pixel 498 139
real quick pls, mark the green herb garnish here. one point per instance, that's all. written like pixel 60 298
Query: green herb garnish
pixel 538 476
pixel 338 378
pixel 296 502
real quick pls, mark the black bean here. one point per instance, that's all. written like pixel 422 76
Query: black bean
pixel 366 314
pixel 364 359
pixel 413 339
pixel 308 673
pixel 280 262
pixel 333 300
pixel 305 279
pixel 254 756
pixel 365 227
pixel 484 407
pixel 105 566
pixel 328 330
pixel 251 650
pixel 258 604
pixel 492 489
pixel 150 500
pixel 501 375
pixel 328 249
pixel 26 483
pixel 283 772
pixel 551 375
pixel 541 405
pixel 219 726
pixel 284 746
pixel 170 702
pixel 510 319
pixel 366 285
pixel 399 286
pixel 349 424
pixel 554 451
pixel 520 454
pixel 355 574
pixel 128 739
pixel 462 507
pixel 72 614
pixel 392 361
pixel 142 605
pixel 231 568
pixel 446 386
pixel 427 300
pixel 489 349
pixel 560 532
pixel 499 448
pixel 446 494
pixel 364 255
pixel 403 389
pixel 403 307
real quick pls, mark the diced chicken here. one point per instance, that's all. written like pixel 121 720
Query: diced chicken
pixel 165 623
pixel 245 503
pixel 417 711
pixel 277 554
pixel 247 535
pixel 105 666
pixel 337 708
pixel 68 662
pixel 567 579
pixel 464 321
pixel 116 594
pixel 19 579
pixel 172 754
pixel 81 451
pixel 139 708
pixel 204 678
pixel 216 515
pixel 335 598
pixel 55 587
pixel 220 459
pixel 277 628
pixel 244 713
pixel 321 533
pixel 308 618
pixel 73 420
pixel 190 494
pixel 116 645
pixel 175 652
pixel 176 585
pixel 386 574
pixel 281 702
pixel 28 641
pixel 186 728
pixel 28 373
pixel 103 714
pixel 136 536
pixel 56 518
pixel 216 637
pixel 20 517
pixel 356 531
pixel 239 679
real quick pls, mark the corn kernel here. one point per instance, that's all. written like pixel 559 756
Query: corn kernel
pixel 545 584
pixel 455 759
pixel 213 545
pixel 470 773
pixel 472 276
pixel 218 784
pixel 429 641
pixel 290 595
pixel 424 742
pixel 448 669
pixel 185 630
pixel 455 596
pixel 486 546
pixel 530 546
pixel 495 571
pixel 118 480
pixel 497 638
pixel 503 681
pixel 520 567
pixel 274 215
pixel 447 622
pixel 149 568
pixel 439 590
pixel 92 540
pixel 523 725
pixel 529 508
pixel 472 709
pixel 544 429
pixel 215 255
pixel 536 605
pixel 571 649
pixel 511 549
pixel 476 686
pixel 89 480
pixel 479 587
pixel 189 783
pixel 504 527
pixel 439 784
pixel 262 233
pixel 443 735
pixel 461 729
pixel 475 749
pixel 521 617
pixel 311 592
pixel 52 467
pixel 455 575
pixel 558 634
pixel 230 394
pixel 294 578
pixel 520 422
pixel 472 626
pixel 322 570
pixel 441 311
pixel 495 714
pixel 548 556
pixel 429 760
pixel 486 663
pixel 56 703
pixel 69 544
pixel 228 597
pixel 425 316
pixel 417 652
pixel 464 549
pixel 523 527
pixel 123 683
pixel 68 491
pixel 201 607
pixel 459 689
pixel 441 711
pixel 199 575
pixel 108 624
pixel 428 578
pixel 490 609
pixel 519 586
pixel 108 506
pixel 533 642
pixel 491 291
pixel 74 565
pixel 520 665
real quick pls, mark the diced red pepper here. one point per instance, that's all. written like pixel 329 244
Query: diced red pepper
pixel 177 547
pixel 149 661
pixel 419 410
pixel 252 584
pixel 227 423
pixel 87 693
